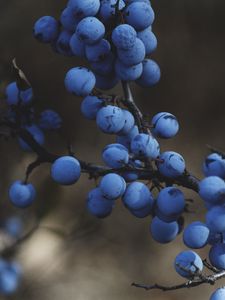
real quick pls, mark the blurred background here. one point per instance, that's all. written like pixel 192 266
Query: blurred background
pixel 84 258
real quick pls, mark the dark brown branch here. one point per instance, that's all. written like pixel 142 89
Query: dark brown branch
pixel 199 280
pixel 131 105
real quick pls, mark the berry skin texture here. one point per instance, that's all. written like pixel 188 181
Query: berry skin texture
pixel 105 66
pixel 144 145
pixel 140 15
pixel 165 125
pixel 98 205
pixel 170 201
pixel 112 186
pixel 137 196
pixel 217 256
pixel 212 189
pixel 80 81
pixel 115 155
pixel 21 195
pixel 171 164
pixel 128 73
pixel 133 55
pixel 90 30
pixel 124 36
pixel 129 123
pixel 66 170
pixel 149 40
pixel 196 235
pixel 68 20
pixel 219 294
pixel 190 261
pixel 37 134
pixel 14 96
pixel 84 8
pixel 98 52
pixel 77 46
pixel 215 219
pixel 151 74
pixel 110 119
pixel 214 165
pixel 62 44
pixel 90 107
pixel 163 232
pixel 46 29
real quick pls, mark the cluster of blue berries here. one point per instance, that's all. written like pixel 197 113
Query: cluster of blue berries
pixel 115 36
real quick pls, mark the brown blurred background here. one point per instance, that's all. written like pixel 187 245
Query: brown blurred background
pixel 85 258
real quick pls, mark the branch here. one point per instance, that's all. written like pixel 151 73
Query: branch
pixel 131 105
pixel 199 280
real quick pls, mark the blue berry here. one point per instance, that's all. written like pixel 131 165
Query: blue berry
pixel 149 40
pixel 84 8
pixel 163 232
pixel 105 66
pixel 37 135
pixel 137 196
pixel 9 278
pixel 196 235
pixel 90 106
pixel 21 194
pixel 170 201
pixel 115 155
pixel 128 73
pixel 112 186
pixel 68 19
pixel 215 219
pixel 77 46
pixel 50 119
pixel 171 164
pixel 46 29
pixel 151 74
pixel 110 119
pixel 66 170
pixel 98 51
pixel 212 189
pixel 144 145
pixel 14 96
pixel 62 44
pixel 98 205
pixel 133 55
pixel 143 212
pixel 90 30
pixel 126 139
pixel 165 125
pixel 214 165
pixel 188 263
pixel 140 15
pixel 219 294
pixel 124 36
pixel 80 81
pixel 217 256
pixel 129 123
